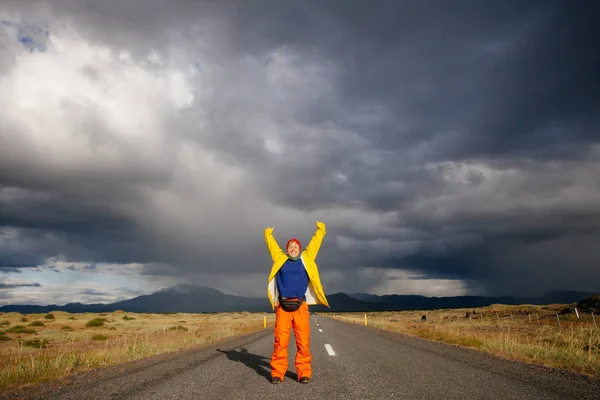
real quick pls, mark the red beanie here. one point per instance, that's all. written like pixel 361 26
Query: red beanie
pixel 293 240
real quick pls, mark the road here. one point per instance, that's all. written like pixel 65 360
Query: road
pixel 349 362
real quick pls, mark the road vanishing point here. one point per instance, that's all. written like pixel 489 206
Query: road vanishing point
pixel 349 362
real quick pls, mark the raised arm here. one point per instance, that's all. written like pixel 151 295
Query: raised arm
pixel 272 245
pixel 315 243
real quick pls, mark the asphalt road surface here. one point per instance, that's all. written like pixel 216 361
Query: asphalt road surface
pixel 349 362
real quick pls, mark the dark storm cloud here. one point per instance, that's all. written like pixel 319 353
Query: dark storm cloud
pixel 58 221
pixel 433 83
pixel 546 93
pixel 93 292
pixel 17 285
pixel 458 135
pixel 489 73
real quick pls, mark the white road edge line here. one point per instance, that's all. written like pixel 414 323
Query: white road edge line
pixel 329 350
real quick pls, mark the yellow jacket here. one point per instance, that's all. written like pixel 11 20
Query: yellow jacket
pixel 314 293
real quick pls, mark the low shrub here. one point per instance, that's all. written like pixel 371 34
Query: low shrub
pixel 49 316
pixel 35 343
pixel 99 337
pixel 36 323
pixel 96 322
pixel 19 329
pixel 126 318
pixel 590 304
pixel 66 328
pixel 178 328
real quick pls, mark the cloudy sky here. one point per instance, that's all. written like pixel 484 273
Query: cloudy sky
pixel 451 147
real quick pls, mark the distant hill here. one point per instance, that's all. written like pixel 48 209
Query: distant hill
pixel 201 299
pixel 416 302
pixel 343 302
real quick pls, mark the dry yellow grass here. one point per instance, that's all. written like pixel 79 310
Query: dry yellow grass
pixel 525 333
pixel 32 353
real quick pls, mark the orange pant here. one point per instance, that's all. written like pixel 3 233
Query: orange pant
pixel 284 322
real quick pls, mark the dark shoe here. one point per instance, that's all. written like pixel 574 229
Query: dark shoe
pixel 275 380
pixel 304 379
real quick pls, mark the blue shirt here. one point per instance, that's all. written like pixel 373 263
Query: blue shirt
pixel 292 279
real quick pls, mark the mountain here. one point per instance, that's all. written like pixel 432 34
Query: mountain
pixel 192 299
pixel 201 299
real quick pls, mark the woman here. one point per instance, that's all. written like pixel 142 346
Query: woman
pixel 294 283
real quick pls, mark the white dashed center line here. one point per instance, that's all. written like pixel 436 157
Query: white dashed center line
pixel 320 330
pixel 329 350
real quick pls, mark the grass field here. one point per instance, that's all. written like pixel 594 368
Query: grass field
pixel 525 333
pixel 42 347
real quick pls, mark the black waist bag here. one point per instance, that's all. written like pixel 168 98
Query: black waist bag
pixel 290 304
